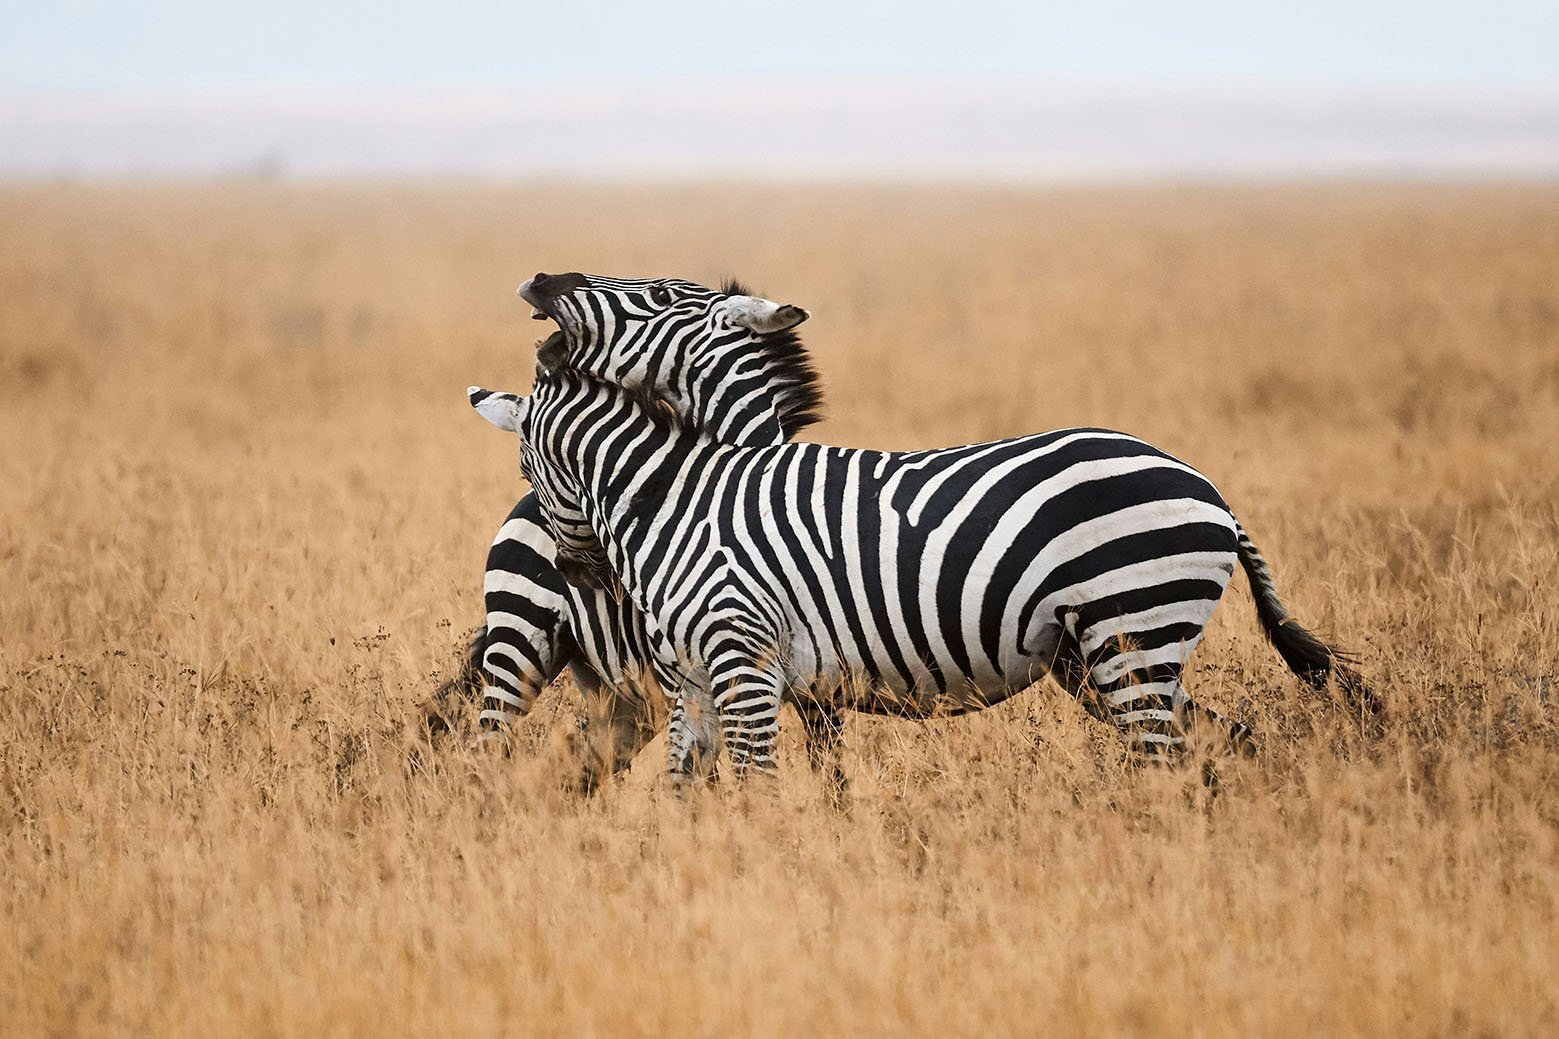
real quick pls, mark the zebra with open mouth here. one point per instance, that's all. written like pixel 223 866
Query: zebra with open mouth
pixel 922 583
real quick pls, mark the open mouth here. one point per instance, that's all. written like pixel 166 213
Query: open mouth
pixel 543 291
pixel 539 304
pixel 542 308
pixel 553 345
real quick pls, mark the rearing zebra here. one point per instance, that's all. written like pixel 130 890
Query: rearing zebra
pixel 757 387
pixel 919 583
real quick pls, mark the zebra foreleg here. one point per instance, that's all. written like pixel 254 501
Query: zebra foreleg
pixel 693 735
pixel 616 724
pixel 747 694
pixel 824 726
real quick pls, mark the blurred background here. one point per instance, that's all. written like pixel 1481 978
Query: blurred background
pixel 982 90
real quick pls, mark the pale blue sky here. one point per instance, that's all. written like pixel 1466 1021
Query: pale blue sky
pixel 177 44
pixel 840 88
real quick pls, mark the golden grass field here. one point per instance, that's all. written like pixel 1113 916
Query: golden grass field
pixel 244 508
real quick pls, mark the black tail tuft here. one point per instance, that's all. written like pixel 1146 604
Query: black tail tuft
pixel 458 693
pixel 1301 649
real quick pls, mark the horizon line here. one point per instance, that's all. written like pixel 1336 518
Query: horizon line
pixel 1001 129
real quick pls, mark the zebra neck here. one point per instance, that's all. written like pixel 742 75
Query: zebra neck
pixel 738 411
pixel 632 464
pixel 750 392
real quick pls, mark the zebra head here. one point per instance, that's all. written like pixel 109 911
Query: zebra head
pixel 581 558
pixel 727 361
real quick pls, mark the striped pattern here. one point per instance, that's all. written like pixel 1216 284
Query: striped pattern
pixel 912 584
pixel 537 623
pixel 919 583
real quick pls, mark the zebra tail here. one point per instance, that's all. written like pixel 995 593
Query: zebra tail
pixel 460 690
pixel 1305 653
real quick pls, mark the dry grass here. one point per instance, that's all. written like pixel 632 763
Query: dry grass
pixel 244 506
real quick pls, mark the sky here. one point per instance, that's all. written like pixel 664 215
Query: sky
pixel 1127 86
pixel 177 43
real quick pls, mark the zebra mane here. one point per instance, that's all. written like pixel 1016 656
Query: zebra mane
pixel 797 390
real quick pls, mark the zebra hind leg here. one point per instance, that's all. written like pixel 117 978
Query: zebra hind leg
pixel 1160 720
pixel 1134 682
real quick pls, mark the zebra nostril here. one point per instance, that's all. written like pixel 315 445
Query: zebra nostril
pixel 539 279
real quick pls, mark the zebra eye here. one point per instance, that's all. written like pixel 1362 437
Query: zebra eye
pixel 660 296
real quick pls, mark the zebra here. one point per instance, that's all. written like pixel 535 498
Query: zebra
pixel 760 388
pixel 921 583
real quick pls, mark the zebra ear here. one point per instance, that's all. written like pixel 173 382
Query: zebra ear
pixel 763 316
pixel 504 410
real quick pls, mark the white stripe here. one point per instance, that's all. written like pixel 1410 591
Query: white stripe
pixel 526 532
pixel 1156 738
pixel 519 584
pixel 1185 566
pixel 1153 715
pixel 497 619
pixel 1133 693
pixel 492 692
pixel 1137 659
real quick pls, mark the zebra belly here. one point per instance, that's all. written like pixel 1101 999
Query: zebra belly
pixel 920 689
